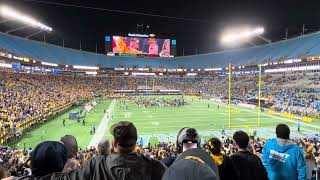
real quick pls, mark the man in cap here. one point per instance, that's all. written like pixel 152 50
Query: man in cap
pixel 248 165
pixel 187 138
pixel 122 163
pixel 194 164
pixel 282 159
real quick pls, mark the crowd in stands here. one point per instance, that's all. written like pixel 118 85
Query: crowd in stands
pixel 233 158
pixel 25 98
pixel 28 98
pixel 297 101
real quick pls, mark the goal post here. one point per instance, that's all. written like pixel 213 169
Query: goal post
pixel 231 109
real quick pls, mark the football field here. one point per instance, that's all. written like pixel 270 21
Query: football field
pixel 162 123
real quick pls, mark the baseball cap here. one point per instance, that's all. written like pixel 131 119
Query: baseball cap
pixel 125 133
pixel 283 131
pixel 193 164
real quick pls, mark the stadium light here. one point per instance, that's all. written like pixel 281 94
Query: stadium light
pixel 49 64
pixel 239 35
pixel 10 13
pixel 91 72
pixel 86 67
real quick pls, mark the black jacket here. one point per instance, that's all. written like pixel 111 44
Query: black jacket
pixel 227 170
pixel 249 166
pixel 116 167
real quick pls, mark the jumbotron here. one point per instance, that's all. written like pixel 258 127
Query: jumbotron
pixel 72 114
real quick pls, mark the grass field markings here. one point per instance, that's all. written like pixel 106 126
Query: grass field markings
pixel 296 134
pixel 266 133
pixel 101 130
pixel 213 124
pixel 165 137
pixel 213 133
pixel 184 121
pixel 128 114
pixel 168 116
pixel 241 119
pixel 280 118
pixel 295 121
pixel 214 127
pixel 199 108
pixel 155 123
pixel 309 131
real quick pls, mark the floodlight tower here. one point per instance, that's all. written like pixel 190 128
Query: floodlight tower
pixel 236 36
pixel 11 14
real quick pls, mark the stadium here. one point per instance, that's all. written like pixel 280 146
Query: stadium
pixel 48 91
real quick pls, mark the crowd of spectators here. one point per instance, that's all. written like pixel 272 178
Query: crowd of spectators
pixel 296 101
pixel 238 157
pixel 28 98
pixel 145 102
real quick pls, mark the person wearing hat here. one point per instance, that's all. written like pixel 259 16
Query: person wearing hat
pixel 195 164
pixel 227 170
pixel 122 163
pixel 282 159
pixel 187 138
pixel 248 165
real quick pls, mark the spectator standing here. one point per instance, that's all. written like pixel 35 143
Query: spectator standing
pixel 282 159
pixel 194 164
pixel 227 170
pixel 71 144
pixel 103 148
pixel 48 157
pixel 122 163
pixel 187 138
pixel 248 165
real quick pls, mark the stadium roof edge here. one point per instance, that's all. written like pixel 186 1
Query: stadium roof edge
pixel 178 57
pixel 54 45
pixel 239 49
pixel 307 45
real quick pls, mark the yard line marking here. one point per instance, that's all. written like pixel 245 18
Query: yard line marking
pixel 98 136
pixel 277 117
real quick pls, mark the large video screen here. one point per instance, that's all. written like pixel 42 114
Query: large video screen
pixel 141 46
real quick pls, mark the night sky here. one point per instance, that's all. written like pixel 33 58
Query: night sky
pixel 210 17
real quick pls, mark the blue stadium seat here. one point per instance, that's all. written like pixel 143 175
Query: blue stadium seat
pixel 289 49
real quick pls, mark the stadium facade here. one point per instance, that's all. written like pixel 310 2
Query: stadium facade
pixel 303 50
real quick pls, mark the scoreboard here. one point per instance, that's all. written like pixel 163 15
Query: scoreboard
pixel 140 45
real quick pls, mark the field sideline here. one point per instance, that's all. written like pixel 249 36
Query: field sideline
pixel 163 123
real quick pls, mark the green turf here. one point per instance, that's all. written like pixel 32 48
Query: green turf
pixel 156 124
pixel 165 122
pixel 55 130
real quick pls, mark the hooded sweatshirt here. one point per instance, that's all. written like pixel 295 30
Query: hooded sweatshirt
pixel 283 162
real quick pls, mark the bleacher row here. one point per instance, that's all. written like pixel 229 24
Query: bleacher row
pixel 292 48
